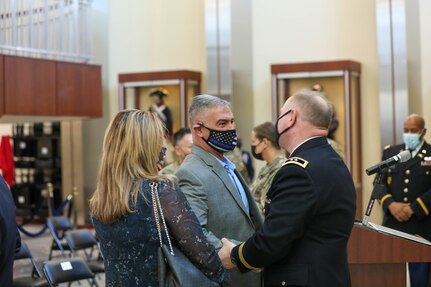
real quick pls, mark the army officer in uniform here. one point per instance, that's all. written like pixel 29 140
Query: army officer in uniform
pixel 407 201
pixel 310 206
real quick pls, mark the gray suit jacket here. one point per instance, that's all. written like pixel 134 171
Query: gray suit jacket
pixel 218 205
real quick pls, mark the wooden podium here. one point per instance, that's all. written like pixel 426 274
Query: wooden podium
pixel 378 259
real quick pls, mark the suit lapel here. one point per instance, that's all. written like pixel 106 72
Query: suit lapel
pixel 220 171
pixel 222 174
pixel 225 178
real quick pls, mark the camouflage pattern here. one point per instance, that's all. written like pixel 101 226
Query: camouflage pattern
pixel 171 168
pixel 263 181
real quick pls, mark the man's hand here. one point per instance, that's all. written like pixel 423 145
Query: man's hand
pixel 408 210
pixel 401 211
pixel 224 253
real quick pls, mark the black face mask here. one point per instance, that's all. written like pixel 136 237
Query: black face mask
pixel 221 141
pixel 278 134
pixel 256 155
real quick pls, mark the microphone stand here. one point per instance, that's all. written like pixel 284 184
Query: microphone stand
pixel 378 190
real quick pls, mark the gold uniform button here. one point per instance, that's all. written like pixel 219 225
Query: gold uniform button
pixel 406 190
pixel 406 181
pixel 283 283
pixel 408 171
pixel 405 199
pixel 427 173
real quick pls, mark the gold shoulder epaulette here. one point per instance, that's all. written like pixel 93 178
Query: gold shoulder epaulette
pixel 386 147
pixel 296 160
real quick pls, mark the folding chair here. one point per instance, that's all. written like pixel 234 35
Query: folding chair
pixel 85 241
pixel 57 226
pixel 67 271
pixel 36 279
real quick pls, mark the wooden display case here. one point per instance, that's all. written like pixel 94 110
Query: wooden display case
pixel 341 85
pixel 181 86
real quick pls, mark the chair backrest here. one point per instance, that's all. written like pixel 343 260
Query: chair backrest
pixel 80 239
pixel 66 270
pixel 57 226
pixel 24 253
pixel 59 223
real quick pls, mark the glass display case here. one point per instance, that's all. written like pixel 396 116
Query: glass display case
pixel 180 86
pixel 339 81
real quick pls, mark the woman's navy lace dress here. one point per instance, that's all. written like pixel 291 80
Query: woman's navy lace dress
pixel 129 246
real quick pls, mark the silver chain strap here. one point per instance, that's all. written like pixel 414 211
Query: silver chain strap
pixel 157 207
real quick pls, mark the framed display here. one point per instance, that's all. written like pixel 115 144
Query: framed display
pixel 176 88
pixel 339 81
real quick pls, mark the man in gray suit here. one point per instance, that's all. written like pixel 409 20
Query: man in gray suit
pixel 215 190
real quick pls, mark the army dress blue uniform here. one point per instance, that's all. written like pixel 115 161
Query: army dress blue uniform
pixel 409 182
pixel 309 215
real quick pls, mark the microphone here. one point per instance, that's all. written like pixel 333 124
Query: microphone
pixel 403 156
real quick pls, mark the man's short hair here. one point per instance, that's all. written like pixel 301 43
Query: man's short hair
pixel 178 135
pixel 315 108
pixel 202 103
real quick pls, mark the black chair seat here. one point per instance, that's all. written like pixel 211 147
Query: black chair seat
pixel 29 282
pixel 81 240
pixel 63 244
pixel 67 270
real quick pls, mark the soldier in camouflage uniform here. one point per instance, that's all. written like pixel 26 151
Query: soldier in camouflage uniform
pixel 182 147
pixel 264 147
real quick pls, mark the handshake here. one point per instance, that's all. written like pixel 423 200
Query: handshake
pixel 224 254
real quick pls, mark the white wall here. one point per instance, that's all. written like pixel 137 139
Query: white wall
pixel 286 31
pixel 154 35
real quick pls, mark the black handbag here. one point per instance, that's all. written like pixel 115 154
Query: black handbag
pixel 174 268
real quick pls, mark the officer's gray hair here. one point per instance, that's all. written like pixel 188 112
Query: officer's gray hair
pixel 200 104
pixel 315 108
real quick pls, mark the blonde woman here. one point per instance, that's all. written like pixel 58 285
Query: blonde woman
pixel 121 207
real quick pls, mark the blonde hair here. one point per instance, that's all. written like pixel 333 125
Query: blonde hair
pixel 131 150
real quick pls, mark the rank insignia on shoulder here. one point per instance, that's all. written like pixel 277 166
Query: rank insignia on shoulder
pixel 386 147
pixel 296 160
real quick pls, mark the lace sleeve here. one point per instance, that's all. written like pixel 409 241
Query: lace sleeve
pixel 186 230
